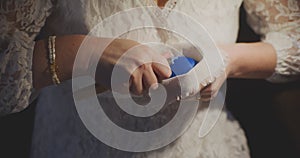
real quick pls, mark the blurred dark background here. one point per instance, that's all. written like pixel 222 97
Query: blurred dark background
pixel 269 114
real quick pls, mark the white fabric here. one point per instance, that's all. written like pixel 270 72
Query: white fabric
pixel 59 132
pixel 230 143
pixel 21 22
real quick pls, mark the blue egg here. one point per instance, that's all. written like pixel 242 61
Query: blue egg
pixel 181 65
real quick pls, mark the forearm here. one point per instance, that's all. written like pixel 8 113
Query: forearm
pixel 250 60
pixel 66 50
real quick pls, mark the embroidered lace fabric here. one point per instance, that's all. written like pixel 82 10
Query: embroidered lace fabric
pixel 21 21
pixel 279 23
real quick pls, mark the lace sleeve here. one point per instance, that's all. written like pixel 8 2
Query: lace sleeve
pixel 279 23
pixel 20 22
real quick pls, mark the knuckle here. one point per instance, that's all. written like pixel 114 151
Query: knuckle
pixel 143 67
pixel 133 77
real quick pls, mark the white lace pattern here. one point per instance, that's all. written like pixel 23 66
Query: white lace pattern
pixel 20 22
pixel 279 23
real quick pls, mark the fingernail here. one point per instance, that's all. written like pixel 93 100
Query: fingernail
pixel 154 86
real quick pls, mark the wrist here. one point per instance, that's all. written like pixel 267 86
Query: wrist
pixel 66 48
pixel 40 68
pixel 229 59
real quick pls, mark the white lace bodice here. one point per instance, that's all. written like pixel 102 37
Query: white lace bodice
pixel 21 21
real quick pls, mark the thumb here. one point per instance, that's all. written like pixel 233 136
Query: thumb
pixel 161 67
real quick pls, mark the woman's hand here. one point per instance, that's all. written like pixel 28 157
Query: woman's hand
pixel 144 66
pixel 211 90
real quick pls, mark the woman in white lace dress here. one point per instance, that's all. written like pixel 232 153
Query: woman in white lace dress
pixel 24 66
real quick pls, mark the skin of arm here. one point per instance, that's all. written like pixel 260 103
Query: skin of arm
pixel 69 45
pixel 250 60
pixel 245 60
pixel 141 79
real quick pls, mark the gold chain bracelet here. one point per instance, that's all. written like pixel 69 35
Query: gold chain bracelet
pixel 53 66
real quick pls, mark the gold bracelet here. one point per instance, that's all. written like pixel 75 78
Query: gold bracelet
pixel 53 66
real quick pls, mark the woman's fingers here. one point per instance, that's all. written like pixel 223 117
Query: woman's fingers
pixel 207 89
pixel 149 79
pixel 206 93
pixel 161 67
pixel 210 91
pixel 142 79
pixel 136 84
pixel 162 71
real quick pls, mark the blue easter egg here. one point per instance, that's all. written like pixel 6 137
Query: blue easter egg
pixel 181 65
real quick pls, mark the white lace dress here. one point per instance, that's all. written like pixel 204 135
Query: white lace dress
pixel 58 130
